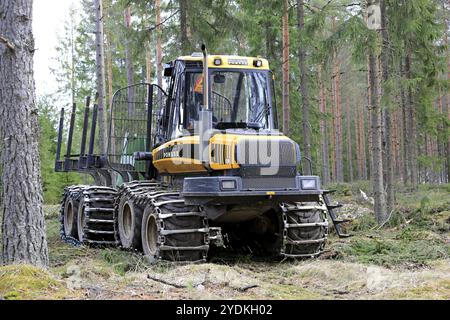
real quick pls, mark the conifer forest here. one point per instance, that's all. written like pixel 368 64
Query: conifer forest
pixel 360 86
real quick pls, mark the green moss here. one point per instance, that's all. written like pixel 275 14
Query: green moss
pixel 121 261
pixel 431 291
pixel 388 252
pixel 292 292
pixel 24 282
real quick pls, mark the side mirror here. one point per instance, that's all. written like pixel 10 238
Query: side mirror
pixel 168 70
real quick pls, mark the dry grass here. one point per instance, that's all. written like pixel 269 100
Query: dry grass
pixel 401 261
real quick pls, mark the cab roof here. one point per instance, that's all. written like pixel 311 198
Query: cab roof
pixel 230 61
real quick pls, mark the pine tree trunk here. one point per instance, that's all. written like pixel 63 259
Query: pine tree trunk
pixel 109 68
pixel 377 155
pixel 100 72
pixel 357 143
pixel 286 69
pixel 349 141
pixel 339 148
pixel 159 66
pixel 129 60
pixel 405 132
pixel 389 161
pixel 185 46
pixel 333 130
pixel 323 130
pixel 148 63
pixel 369 115
pixel 362 131
pixel 303 85
pixel 412 134
pixel 23 226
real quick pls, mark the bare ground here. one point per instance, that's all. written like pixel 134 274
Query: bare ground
pixel 409 258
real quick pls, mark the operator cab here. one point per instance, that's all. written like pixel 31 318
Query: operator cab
pixel 241 95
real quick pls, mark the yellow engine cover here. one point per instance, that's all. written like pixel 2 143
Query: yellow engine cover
pixel 181 155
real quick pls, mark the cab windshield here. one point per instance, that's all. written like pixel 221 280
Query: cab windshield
pixel 238 99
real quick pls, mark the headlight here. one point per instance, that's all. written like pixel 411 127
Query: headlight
pixel 228 185
pixel 309 184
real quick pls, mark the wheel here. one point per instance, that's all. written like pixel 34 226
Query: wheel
pixel 149 234
pixel 81 221
pixel 129 222
pixel 70 217
pixel 174 231
pixel 306 229
pixel 95 221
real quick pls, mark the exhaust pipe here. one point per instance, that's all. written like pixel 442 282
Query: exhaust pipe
pixel 205 116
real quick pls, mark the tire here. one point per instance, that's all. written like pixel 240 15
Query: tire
pixel 95 221
pixel 149 235
pixel 129 223
pixel 81 218
pixel 69 219
pixel 305 213
pixel 189 232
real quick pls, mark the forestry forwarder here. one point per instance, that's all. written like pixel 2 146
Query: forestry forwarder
pixel 202 164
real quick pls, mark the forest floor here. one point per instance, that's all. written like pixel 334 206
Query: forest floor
pixel 408 258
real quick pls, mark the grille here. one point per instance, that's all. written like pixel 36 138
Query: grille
pixel 266 152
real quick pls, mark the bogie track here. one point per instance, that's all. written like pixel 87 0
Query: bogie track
pixel 94 217
pixel 129 207
pixel 305 229
pixel 150 217
pixel 172 230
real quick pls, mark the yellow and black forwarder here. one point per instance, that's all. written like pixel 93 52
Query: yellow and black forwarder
pixel 199 165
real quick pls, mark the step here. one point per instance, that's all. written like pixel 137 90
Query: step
pixel 334 206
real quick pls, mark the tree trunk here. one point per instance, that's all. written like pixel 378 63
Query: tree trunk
pixel 333 129
pixel 323 130
pixel 412 134
pixel 185 46
pixel 23 226
pixel 362 130
pixel 369 115
pixel 159 66
pixel 148 63
pixel 358 142
pixel 377 155
pixel 109 68
pixel 129 60
pixel 389 163
pixel 100 71
pixel 405 132
pixel 286 69
pixel 349 141
pixel 338 109
pixel 303 85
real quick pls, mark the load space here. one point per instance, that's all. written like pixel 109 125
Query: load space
pixel 198 164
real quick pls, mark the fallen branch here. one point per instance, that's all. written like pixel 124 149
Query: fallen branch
pixel 385 221
pixel 245 288
pixel 8 43
pixel 178 286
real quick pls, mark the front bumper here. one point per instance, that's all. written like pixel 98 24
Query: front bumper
pixel 235 189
